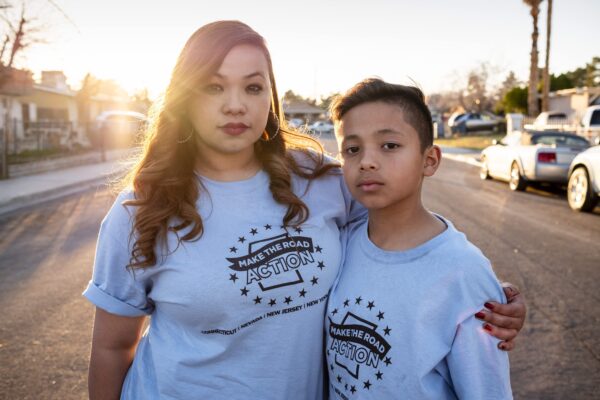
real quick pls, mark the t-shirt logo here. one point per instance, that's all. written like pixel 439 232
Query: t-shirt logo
pixel 358 347
pixel 261 262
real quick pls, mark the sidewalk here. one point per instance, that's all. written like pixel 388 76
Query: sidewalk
pixel 28 190
pixel 468 156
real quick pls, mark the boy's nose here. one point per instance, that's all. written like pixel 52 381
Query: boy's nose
pixel 368 163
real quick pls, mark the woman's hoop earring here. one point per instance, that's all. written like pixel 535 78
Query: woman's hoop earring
pixel 269 138
pixel 187 138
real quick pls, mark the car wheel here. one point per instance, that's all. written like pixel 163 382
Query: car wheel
pixel 516 183
pixel 484 171
pixel 580 194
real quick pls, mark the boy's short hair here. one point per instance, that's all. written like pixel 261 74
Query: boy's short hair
pixel 410 99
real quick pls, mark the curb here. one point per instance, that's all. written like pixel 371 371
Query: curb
pixel 19 202
pixel 468 159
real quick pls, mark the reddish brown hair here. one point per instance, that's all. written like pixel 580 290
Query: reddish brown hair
pixel 163 181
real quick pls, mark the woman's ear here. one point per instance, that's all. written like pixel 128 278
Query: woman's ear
pixel 432 157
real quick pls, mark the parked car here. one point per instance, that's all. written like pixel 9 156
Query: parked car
pixel 473 122
pixel 589 126
pixel 583 189
pixel 523 157
pixel 321 127
pixel 453 118
pixel 295 123
pixel 119 128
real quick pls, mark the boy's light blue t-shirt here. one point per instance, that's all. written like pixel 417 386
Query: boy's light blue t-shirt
pixel 237 314
pixel 401 325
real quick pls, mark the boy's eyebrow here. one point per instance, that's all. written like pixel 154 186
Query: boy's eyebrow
pixel 377 132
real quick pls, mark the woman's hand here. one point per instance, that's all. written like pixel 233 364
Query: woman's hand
pixel 504 321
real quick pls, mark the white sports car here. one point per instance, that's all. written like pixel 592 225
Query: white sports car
pixel 583 189
pixel 531 156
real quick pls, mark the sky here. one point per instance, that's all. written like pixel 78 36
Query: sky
pixel 318 47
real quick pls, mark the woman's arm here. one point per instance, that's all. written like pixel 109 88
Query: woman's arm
pixel 114 341
pixel 504 321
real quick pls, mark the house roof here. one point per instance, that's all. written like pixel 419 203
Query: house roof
pixel 301 108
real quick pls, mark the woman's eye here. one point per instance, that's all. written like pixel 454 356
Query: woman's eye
pixel 254 89
pixel 390 146
pixel 213 88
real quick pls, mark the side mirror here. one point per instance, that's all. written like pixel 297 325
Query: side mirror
pixel 495 142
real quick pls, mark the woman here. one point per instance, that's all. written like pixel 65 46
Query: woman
pixel 234 241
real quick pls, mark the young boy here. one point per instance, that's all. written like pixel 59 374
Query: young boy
pixel 388 335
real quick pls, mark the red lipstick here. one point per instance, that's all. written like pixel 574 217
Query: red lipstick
pixel 234 129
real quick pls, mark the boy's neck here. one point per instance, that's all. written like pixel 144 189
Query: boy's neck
pixel 403 226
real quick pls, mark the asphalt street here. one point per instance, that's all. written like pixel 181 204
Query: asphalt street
pixel 533 240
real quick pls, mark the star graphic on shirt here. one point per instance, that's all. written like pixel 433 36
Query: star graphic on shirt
pixel 288 300
pixel 298 229
pixel 244 291
pixel 358 300
pixel 257 300
pixel 352 389
pixel 346 386
pixel 241 239
pixel 386 331
pixel 272 302
pixel 314 280
pixel 233 277
pixel 388 361
pixel 321 265
pixel 379 375
pixel 253 231
pixel 282 226
pixel 339 379
pixel 334 312
pixel 367 385
pixel 302 292
pixel 380 315
pixel 331 367
pixel 318 249
pixel 346 303
pixel 267 227
pixel 233 249
pixel 371 305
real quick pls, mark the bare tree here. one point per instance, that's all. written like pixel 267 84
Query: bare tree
pixel 532 96
pixel 546 86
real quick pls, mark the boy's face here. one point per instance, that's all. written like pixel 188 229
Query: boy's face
pixel 383 162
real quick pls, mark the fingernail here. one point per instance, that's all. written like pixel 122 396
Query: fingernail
pixel 501 346
pixel 480 315
pixel 487 327
pixel 489 306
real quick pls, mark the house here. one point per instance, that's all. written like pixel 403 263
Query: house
pixel 573 102
pixel 302 110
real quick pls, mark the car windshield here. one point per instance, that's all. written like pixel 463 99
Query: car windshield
pixel 559 140
pixel 595 120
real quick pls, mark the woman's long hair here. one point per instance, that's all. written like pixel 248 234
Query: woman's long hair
pixel 163 181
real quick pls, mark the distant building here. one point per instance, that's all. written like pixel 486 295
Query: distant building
pixel 573 102
pixel 302 110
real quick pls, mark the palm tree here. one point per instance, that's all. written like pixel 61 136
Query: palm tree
pixel 546 87
pixel 532 95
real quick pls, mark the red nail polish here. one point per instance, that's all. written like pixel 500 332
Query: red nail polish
pixel 487 327
pixel 480 315
pixel 489 306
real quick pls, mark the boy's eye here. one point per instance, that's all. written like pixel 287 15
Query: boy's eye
pixel 254 89
pixel 213 88
pixel 390 146
pixel 351 150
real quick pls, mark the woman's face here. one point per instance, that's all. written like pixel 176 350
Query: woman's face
pixel 229 112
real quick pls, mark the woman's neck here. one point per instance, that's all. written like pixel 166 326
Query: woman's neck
pixel 227 167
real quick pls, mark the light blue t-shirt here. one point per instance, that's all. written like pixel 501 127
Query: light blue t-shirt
pixel 401 325
pixel 237 314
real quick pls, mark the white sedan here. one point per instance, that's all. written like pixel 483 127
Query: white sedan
pixel 321 127
pixel 583 189
pixel 531 156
